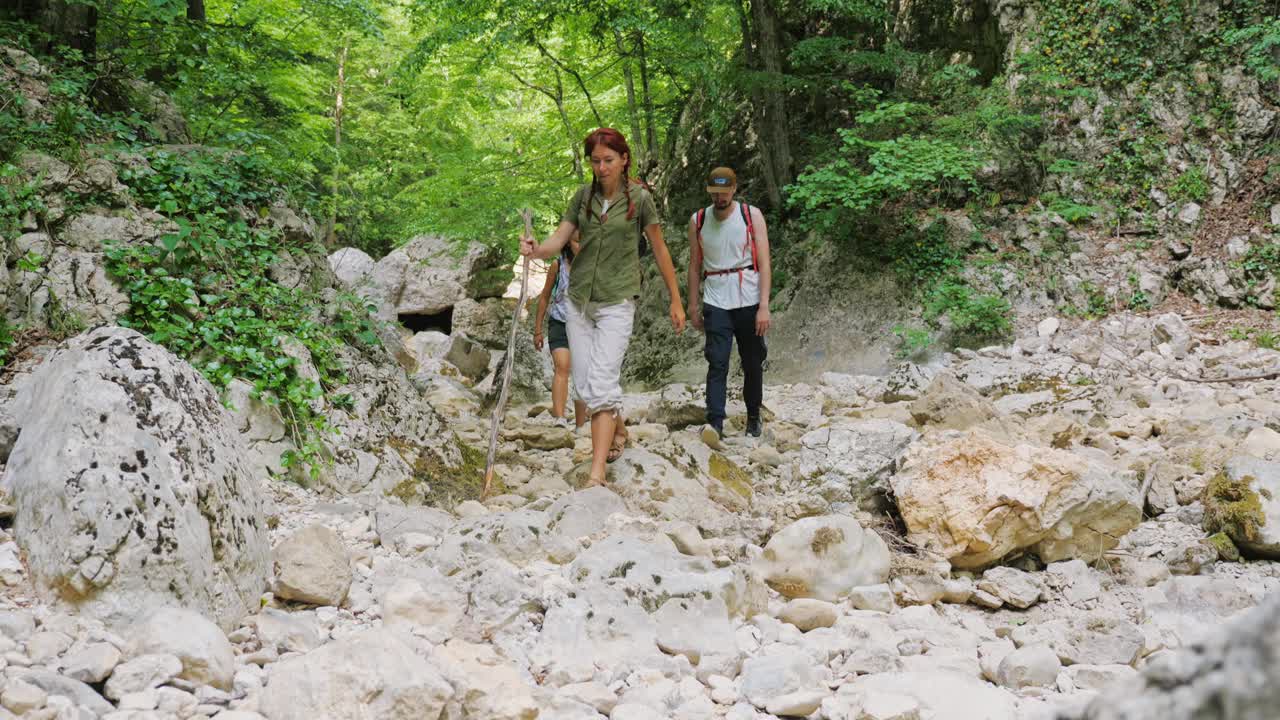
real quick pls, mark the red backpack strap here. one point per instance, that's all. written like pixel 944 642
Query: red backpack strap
pixel 699 218
pixel 751 232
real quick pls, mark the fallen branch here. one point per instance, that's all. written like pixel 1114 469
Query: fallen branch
pixel 1237 378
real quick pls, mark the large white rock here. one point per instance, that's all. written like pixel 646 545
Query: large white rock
pixel 653 571
pixel 1030 666
pixel 312 567
pixel 824 558
pixel 352 266
pixel 1094 640
pixel 427 276
pixel 1244 502
pixel 975 500
pixel 778 673
pixel 370 674
pixel 205 652
pixel 131 485
pixel 93 663
pixel 949 404
pixel 1231 673
pixel 699 629
pixel 941 695
pixel 851 460
pixel 409 605
pixel 486 685
pixel 597 632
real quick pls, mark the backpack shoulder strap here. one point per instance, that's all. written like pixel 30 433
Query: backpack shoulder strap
pixel 751 232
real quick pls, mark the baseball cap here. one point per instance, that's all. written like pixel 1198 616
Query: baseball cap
pixel 722 178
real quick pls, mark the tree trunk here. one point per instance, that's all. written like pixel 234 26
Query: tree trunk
pixel 774 111
pixel 339 102
pixel 633 111
pixel 196 17
pixel 772 189
pixel 650 132
pixel 66 23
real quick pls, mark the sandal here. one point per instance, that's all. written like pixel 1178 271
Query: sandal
pixel 619 444
pixel 593 482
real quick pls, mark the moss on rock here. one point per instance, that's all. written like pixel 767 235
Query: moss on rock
pixel 1233 507
pixel 730 475
pixel 1227 550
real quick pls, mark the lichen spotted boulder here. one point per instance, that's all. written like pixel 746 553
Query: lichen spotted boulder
pixel 131 485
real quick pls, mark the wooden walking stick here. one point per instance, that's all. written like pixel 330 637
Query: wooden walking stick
pixel 500 407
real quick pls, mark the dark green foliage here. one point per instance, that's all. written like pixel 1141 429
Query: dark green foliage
pixel 205 292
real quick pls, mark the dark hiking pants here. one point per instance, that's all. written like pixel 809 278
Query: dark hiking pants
pixel 721 327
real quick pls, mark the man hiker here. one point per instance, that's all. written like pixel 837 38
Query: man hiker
pixel 729 262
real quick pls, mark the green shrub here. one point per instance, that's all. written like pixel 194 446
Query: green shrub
pixel 1191 185
pixel 974 316
pixel 204 292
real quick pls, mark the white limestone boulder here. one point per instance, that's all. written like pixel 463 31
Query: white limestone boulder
pixel 824 557
pixel 373 673
pixel 132 487
pixel 975 500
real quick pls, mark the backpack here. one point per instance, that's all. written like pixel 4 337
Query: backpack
pixel 745 209
pixel 642 242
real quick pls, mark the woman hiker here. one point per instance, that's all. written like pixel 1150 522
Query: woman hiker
pixel 604 283
pixel 556 294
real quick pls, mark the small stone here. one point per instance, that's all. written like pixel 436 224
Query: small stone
pixel 1189 214
pixel 20 697
pixel 46 646
pixel 1017 588
pixel 879 705
pixel 17 625
pixel 1146 573
pixel 878 598
pixel 470 509
pixel 982 598
pixel 93 664
pixel 1029 666
pixel 796 704
pixel 312 566
pixel 141 673
pixel 918 589
pixel 1189 558
pixel 1048 326
pixel 142 700
pixel 957 591
pixel 1275 214
pixel 809 614
pixel 597 695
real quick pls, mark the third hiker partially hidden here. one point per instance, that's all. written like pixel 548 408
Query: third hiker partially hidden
pixel 729 259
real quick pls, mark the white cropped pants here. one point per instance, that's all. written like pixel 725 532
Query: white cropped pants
pixel 598 339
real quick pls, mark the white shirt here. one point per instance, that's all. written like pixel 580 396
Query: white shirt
pixel 725 246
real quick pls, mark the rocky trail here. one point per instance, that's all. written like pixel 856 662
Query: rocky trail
pixel 963 540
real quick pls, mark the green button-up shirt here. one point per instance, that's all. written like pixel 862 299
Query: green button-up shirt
pixel 607 268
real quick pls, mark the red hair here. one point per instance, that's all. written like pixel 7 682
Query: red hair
pixel 616 142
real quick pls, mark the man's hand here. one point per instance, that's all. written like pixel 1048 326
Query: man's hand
pixel 677 317
pixel 527 246
pixel 762 320
pixel 537 340
pixel 695 316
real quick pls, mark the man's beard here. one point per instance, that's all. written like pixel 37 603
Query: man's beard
pixel 721 204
